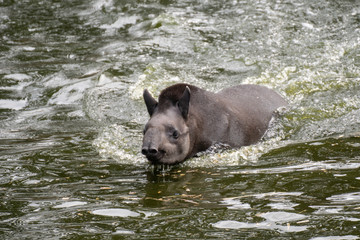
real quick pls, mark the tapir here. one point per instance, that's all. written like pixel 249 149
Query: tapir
pixel 187 120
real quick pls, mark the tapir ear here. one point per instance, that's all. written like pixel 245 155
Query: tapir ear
pixel 183 102
pixel 150 102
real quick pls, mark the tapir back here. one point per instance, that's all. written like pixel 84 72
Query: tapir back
pixel 237 116
pixel 253 106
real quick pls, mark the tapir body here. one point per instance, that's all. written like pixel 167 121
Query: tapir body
pixel 186 119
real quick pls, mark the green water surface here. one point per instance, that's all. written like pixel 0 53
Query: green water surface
pixel 71 118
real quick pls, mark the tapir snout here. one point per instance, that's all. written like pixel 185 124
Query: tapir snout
pixel 151 147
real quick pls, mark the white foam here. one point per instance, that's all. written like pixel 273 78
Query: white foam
pixel 13 104
pixel 18 76
pixel 121 22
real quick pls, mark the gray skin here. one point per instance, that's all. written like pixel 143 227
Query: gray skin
pixel 187 120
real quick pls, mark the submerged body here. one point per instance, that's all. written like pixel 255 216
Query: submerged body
pixel 187 120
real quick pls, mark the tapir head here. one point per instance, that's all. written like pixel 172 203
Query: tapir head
pixel 166 135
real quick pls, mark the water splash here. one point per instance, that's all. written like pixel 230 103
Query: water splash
pixel 314 70
pixel 120 143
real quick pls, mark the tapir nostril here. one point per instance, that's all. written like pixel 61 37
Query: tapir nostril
pixel 144 151
pixel 149 152
pixel 153 151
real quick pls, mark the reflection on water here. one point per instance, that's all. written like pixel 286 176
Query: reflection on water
pixel 116 212
pixel 71 80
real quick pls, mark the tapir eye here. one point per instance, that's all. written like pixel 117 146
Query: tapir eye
pixel 175 134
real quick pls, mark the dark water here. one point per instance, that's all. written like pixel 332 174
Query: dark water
pixel 71 80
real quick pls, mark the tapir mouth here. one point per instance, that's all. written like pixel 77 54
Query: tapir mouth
pixel 155 158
